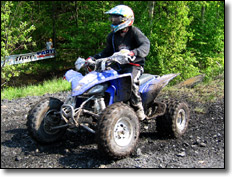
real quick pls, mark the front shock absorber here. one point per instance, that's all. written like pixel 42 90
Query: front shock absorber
pixel 99 105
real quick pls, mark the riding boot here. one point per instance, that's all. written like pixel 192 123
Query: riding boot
pixel 140 112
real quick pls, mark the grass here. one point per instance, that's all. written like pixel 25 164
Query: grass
pixel 52 86
pixel 203 92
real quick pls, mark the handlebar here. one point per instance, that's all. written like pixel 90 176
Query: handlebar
pixel 102 63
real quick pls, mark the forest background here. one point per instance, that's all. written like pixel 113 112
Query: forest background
pixel 186 37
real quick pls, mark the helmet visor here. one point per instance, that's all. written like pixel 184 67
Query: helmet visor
pixel 116 19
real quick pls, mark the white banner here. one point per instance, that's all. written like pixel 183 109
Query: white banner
pixel 28 57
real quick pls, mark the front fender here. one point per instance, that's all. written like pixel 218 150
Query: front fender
pixel 81 84
pixel 71 74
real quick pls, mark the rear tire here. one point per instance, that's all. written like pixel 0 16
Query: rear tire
pixel 118 131
pixel 41 118
pixel 175 121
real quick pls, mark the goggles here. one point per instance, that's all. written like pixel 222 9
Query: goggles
pixel 116 19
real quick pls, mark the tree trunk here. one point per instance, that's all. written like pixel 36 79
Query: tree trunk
pixel 202 14
pixel 76 11
pixel 151 5
pixel 54 23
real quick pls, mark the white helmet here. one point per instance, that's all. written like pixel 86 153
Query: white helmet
pixel 126 17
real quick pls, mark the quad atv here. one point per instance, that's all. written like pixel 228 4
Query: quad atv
pixel 100 103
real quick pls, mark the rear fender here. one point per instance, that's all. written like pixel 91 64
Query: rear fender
pixel 151 89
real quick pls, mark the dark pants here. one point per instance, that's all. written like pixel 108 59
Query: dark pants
pixel 136 72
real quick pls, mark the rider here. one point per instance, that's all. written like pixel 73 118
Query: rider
pixel 126 36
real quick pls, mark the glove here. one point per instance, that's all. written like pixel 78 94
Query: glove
pixel 130 55
pixel 89 61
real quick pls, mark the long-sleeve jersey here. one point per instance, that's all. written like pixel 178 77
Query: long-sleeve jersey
pixel 134 40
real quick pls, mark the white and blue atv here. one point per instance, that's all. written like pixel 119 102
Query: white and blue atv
pixel 100 103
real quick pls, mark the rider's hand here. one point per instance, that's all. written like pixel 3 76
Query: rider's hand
pixel 131 54
pixel 89 61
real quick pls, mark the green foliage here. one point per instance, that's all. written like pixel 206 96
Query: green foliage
pixel 15 34
pixel 186 37
pixel 168 40
pixel 208 30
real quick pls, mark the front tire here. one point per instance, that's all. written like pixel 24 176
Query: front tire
pixel 42 117
pixel 118 131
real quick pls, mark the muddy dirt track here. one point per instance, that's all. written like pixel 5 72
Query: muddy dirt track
pixel 201 147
